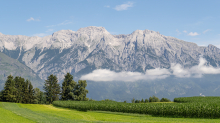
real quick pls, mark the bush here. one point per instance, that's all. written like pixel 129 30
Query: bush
pixel 91 99
pixel 137 101
pixel 154 99
pixel 164 100
pixel 146 100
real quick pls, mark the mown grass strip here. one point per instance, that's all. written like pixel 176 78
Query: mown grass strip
pixel 36 116
pixel 7 116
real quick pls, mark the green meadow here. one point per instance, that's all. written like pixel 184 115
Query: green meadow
pixel 28 113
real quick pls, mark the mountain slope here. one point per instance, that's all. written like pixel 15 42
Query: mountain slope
pixel 14 67
pixel 170 88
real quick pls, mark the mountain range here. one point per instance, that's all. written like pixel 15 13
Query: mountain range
pixel 92 48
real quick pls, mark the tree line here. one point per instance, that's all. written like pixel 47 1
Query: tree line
pixel 151 99
pixel 19 90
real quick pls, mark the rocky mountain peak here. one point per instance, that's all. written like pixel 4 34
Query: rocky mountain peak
pixel 210 46
pixel 63 32
pixel 145 32
pixel 212 49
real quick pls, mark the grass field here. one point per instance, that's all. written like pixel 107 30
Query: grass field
pixel 187 107
pixel 28 113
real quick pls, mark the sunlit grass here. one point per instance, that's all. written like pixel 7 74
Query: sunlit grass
pixel 15 112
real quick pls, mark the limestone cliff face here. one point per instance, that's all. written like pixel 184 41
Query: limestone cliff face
pixel 90 48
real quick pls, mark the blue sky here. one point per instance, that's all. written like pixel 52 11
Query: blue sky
pixel 190 20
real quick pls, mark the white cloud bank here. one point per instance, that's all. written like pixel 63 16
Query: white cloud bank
pixel 159 73
pixel 124 6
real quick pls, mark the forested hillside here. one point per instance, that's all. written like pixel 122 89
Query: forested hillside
pixel 10 66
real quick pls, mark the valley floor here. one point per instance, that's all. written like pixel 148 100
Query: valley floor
pixel 28 113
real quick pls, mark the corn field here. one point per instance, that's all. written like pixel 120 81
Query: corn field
pixel 196 107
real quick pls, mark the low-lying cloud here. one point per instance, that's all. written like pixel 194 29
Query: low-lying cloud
pixel 158 73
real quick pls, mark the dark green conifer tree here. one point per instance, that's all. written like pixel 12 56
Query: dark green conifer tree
pixel 36 95
pixel 68 86
pixel 19 85
pixel 26 92
pixel 142 101
pixel 1 95
pixel 9 90
pixel 42 98
pixel 30 93
pixel 52 88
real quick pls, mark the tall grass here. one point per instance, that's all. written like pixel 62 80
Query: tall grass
pixel 196 107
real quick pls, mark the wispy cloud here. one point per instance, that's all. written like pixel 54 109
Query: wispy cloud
pixel 107 6
pixel 61 24
pixel 124 6
pixel 43 34
pixel 206 31
pixel 178 32
pixel 193 34
pixel 49 30
pixel 158 73
pixel 40 34
pixel 185 31
pixel 32 19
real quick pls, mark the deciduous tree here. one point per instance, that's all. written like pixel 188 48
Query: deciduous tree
pixel 80 91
